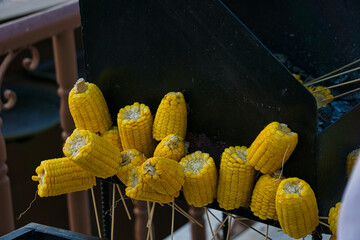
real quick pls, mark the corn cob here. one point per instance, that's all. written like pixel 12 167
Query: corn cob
pixel 350 161
pixel 130 159
pixel 88 107
pixel 113 136
pixel 333 217
pixel 272 147
pixel 164 175
pixel 135 128
pixel 296 208
pixel 322 95
pixel 263 196
pixel 140 190
pixel 236 179
pixel 200 179
pixel 172 147
pixel 171 116
pixel 93 153
pixel 298 77
pixel 60 175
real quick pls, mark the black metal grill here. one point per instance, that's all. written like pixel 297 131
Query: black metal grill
pixel 234 86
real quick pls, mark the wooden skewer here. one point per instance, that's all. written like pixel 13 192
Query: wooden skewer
pixel 325 218
pixel 283 161
pixel 241 219
pixel 150 221
pixel 185 214
pixel 221 225
pixel 331 77
pixel 113 213
pixel 215 216
pixel 172 220
pixel 229 228
pixel 340 95
pixel 148 212
pixel 326 225
pixel 338 85
pixel 95 210
pixel 336 70
pixel 207 216
pixel 123 201
pixel 253 229
pixel 267 231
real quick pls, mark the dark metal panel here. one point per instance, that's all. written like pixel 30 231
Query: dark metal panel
pixel 317 36
pixel 335 143
pixel 140 50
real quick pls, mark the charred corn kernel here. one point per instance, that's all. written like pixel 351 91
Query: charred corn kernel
pixel 350 161
pixel 322 95
pixel 272 147
pixel 60 175
pixel 164 175
pixel 140 190
pixel 113 136
pixel 88 107
pixel 296 208
pixel 135 128
pixel 200 179
pixel 236 179
pixel 333 217
pixel 172 147
pixel 171 116
pixel 263 196
pixel 130 159
pixel 93 153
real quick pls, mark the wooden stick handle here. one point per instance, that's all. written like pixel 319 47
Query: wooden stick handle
pixel 96 213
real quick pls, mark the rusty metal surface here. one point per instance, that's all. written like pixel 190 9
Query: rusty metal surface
pixel 39 26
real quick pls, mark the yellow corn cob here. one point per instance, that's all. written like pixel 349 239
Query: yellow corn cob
pixel 171 116
pixel 164 175
pixel 140 190
pixel 60 175
pixel 263 196
pixel 200 179
pixel 296 208
pixel 298 77
pixel 93 153
pixel 130 159
pixel 333 217
pixel 88 107
pixel 272 147
pixel 350 161
pixel 322 95
pixel 135 128
pixel 236 179
pixel 113 136
pixel 172 147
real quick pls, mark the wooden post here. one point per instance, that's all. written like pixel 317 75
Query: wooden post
pixel 6 209
pixel 66 76
pixel 197 232
pixel 141 219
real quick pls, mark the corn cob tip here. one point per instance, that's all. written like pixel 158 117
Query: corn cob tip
pixel 126 156
pixel 80 86
pixel 149 169
pixel 76 143
pixel 293 187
